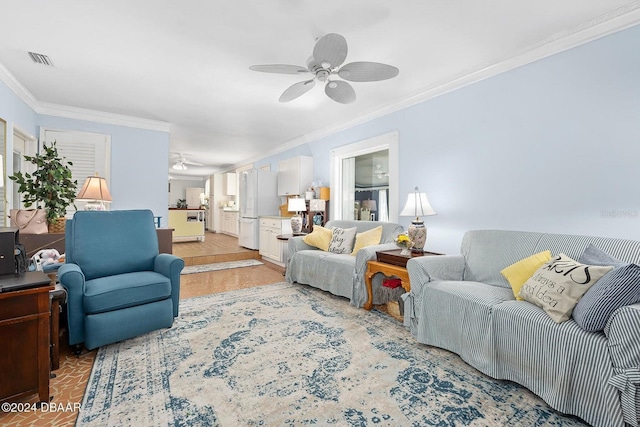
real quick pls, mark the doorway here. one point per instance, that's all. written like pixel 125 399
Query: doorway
pixel 355 169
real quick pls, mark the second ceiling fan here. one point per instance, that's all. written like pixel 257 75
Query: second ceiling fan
pixel 329 53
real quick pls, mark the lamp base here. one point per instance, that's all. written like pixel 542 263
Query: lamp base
pixel 296 224
pixel 95 205
pixel 417 232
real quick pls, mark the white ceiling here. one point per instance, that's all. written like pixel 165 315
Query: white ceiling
pixel 186 63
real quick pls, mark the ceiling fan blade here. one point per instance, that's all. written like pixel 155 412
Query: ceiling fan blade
pixel 367 71
pixel 189 162
pixel 341 92
pixel 297 90
pixel 330 51
pixel 279 69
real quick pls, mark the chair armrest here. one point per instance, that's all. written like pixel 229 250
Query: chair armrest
pixel 623 334
pixel 423 270
pixel 296 244
pixel 73 280
pixel 170 266
pixel 364 255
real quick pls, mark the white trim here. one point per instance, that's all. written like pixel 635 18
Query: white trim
pixel 101 117
pixel 58 110
pixel 18 88
pixel 604 25
pixel 23 134
pixel 387 141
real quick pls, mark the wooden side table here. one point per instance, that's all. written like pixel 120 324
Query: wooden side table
pixel 24 327
pixel 390 263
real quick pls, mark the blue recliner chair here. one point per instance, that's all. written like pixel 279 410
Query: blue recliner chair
pixel 118 285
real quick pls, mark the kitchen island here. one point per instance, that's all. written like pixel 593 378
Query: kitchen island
pixel 187 224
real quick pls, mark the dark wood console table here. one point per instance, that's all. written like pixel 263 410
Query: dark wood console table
pixel 24 327
pixel 35 242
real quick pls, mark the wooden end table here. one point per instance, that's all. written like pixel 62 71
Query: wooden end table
pixel 390 263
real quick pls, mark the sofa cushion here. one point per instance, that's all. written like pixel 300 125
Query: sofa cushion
pixel 557 286
pixel 125 290
pixel 319 238
pixel 342 240
pixel 389 229
pixel 324 270
pixel 367 238
pixel 595 256
pixel 518 273
pixel 616 289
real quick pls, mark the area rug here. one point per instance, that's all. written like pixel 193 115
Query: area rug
pixel 220 266
pixel 290 355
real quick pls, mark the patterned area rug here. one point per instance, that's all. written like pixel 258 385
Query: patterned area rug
pixel 220 266
pixel 287 354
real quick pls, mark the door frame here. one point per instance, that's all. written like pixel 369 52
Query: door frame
pixel 387 141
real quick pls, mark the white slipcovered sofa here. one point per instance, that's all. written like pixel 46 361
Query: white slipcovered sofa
pixel 340 274
pixel 462 303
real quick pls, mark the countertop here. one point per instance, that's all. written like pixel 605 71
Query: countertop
pixel 275 217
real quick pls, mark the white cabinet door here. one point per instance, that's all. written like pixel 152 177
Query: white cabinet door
pixel 295 175
pixel 230 184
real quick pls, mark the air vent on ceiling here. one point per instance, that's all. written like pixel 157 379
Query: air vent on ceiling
pixel 39 58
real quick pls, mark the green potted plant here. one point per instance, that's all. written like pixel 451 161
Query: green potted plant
pixel 50 186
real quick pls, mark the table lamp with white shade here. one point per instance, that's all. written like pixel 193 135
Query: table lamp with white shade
pixel 296 205
pixel 95 192
pixel 417 205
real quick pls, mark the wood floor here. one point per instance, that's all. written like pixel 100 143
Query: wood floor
pixel 67 388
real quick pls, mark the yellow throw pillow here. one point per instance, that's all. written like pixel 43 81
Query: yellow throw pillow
pixel 320 238
pixel 367 238
pixel 518 273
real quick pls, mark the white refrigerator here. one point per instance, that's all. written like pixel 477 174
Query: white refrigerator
pixel 258 196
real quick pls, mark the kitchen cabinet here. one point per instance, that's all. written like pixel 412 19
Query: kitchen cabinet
pixel 270 247
pixel 230 184
pixel 229 222
pixel 295 175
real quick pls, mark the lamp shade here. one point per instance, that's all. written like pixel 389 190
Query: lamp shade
pixel 417 205
pixel 369 204
pixel 297 205
pixel 95 188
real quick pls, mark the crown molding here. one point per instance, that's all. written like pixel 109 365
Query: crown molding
pixel 58 110
pixel 101 117
pixel 17 88
pixel 604 25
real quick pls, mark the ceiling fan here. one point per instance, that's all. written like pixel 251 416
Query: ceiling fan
pixel 329 53
pixel 180 163
pixel 379 173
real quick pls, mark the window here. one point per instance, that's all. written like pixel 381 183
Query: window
pixel 90 153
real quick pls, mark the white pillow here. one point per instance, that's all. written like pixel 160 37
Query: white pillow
pixel 342 240
pixel 558 285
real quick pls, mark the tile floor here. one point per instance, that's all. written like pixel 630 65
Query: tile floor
pixel 67 388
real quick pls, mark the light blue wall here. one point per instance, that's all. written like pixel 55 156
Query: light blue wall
pixel 139 158
pixel 552 146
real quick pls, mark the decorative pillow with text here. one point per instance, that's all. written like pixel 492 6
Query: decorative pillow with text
pixel 559 284
pixel 342 240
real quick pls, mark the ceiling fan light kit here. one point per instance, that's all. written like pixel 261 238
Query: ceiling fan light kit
pixel 329 53
pixel 180 163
